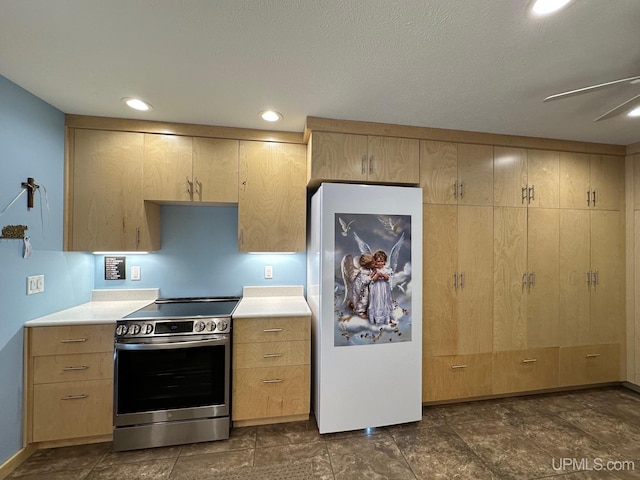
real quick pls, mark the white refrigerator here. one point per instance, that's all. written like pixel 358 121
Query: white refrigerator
pixel 364 288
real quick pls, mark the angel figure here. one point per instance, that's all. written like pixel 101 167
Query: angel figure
pixel 379 302
pixel 356 275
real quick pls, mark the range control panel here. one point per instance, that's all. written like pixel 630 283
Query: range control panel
pixel 152 328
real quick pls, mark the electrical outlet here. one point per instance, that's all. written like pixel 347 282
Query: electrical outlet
pixel 268 271
pixel 35 284
pixel 135 273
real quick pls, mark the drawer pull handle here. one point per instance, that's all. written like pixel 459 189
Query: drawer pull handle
pixel 68 369
pixel 75 397
pixel 530 360
pixel 275 380
pixel 272 330
pixel 453 367
pixel 272 355
pixel 73 340
pixel 593 355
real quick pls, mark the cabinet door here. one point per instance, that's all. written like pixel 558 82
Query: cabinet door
pixel 607 261
pixel 337 156
pixel 543 178
pixel 574 180
pixel 108 209
pixel 475 295
pixel 509 177
pixel 543 257
pixel 394 160
pixel 607 180
pixel 510 279
pixel 272 200
pixel 438 171
pixel 215 170
pixel 442 335
pixel 167 167
pixel 475 174
pixel 575 247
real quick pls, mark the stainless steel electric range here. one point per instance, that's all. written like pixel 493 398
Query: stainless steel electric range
pixel 171 373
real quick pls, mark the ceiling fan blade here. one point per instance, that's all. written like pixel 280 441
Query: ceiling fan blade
pixel 623 107
pixel 591 88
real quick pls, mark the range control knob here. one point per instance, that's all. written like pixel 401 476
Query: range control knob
pixel 211 326
pixel 223 325
pixel 148 329
pixel 199 326
pixel 121 329
pixel 135 329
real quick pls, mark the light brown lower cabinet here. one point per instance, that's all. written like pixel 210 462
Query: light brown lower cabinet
pixel 525 370
pixel 590 364
pixel 271 370
pixel 69 383
pixel 452 377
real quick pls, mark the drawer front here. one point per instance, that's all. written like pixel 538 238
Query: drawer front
pixel 457 376
pixel 525 370
pixel 271 354
pixel 275 329
pixel 589 364
pixel 270 392
pixel 71 368
pixel 71 339
pixel 72 410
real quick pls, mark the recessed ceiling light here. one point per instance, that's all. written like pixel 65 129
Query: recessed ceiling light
pixel 137 104
pixel 634 113
pixel 270 115
pixel 545 7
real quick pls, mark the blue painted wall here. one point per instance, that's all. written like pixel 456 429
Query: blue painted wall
pixel 199 257
pixel 31 145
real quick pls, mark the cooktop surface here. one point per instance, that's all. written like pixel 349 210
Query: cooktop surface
pixel 187 308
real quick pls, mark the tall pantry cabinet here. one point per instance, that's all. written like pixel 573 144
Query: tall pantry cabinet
pixel 523 269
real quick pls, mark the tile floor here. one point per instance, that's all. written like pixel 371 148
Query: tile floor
pixel 580 435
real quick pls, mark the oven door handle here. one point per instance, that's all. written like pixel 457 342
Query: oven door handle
pixel 172 345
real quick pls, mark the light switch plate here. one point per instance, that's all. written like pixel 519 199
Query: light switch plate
pixel 35 284
pixel 268 271
pixel 135 273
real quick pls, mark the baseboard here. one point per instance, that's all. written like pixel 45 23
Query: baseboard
pixel 631 386
pixel 10 465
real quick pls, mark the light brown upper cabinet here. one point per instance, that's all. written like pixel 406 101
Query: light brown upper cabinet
pixel 105 192
pixel 362 158
pixel 525 178
pixel 592 277
pixel 458 280
pixel 591 181
pixel 456 173
pixel 190 169
pixel 272 200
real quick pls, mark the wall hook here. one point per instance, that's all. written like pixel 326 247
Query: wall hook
pixel 31 187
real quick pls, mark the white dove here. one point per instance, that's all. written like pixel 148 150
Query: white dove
pixel 345 226
pixel 389 225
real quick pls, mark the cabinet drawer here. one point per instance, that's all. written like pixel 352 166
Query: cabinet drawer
pixel 457 376
pixel 270 392
pixel 69 368
pixel 271 329
pixel 589 364
pixel 71 339
pixel 271 354
pixel 72 409
pixel 525 370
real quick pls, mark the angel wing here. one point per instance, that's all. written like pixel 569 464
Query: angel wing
pixel 349 272
pixel 395 253
pixel 362 245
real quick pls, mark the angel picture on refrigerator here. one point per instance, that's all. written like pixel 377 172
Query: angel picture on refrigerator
pixel 373 279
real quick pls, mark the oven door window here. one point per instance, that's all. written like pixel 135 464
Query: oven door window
pixel 177 378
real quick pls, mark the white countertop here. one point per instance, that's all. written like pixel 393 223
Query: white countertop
pixel 285 301
pixel 106 306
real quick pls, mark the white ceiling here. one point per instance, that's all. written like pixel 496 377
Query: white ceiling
pixel 479 65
